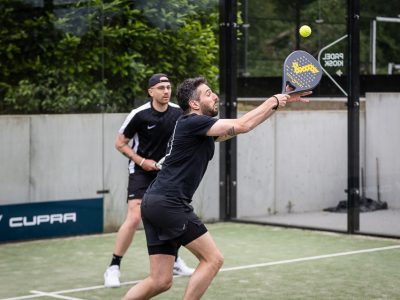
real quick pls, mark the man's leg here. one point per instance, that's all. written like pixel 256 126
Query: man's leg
pixel 127 230
pixel 160 279
pixel 124 238
pixel 211 261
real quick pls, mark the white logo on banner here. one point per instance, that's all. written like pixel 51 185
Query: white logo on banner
pixel 41 219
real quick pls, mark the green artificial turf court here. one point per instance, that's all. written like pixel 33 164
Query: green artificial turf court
pixel 261 262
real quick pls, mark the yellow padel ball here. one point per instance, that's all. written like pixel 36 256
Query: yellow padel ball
pixel 305 31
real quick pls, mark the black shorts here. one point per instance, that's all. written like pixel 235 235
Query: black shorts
pixel 169 223
pixel 138 183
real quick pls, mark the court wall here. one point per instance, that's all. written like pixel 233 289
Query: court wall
pixel 64 157
pixel 67 157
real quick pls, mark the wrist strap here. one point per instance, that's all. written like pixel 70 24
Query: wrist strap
pixel 277 103
pixel 141 163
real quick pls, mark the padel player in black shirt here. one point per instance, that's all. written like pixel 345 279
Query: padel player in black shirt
pixel 168 218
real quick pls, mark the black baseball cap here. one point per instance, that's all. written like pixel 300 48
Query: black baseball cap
pixel 156 78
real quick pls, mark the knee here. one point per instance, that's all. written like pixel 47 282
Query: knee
pixel 133 221
pixel 163 284
pixel 217 261
pixel 133 216
pixel 131 224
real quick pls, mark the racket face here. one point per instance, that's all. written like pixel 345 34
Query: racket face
pixel 301 71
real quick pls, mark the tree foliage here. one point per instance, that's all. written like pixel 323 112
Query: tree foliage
pixel 92 56
pixel 96 55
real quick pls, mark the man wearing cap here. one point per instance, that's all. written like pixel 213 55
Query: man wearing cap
pixel 149 127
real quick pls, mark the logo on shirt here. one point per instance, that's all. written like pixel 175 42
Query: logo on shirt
pixel 149 127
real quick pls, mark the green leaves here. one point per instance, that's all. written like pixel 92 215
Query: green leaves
pixel 92 56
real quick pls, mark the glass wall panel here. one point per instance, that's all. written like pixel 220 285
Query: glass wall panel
pixel 380 167
pixel 71 71
pixel 295 173
pixel 51 73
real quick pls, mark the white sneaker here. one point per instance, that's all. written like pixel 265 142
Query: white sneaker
pixel 180 268
pixel 111 277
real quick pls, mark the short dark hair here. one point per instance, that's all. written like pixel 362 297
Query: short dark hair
pixel 187 91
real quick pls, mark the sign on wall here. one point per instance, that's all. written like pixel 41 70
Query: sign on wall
pixel 333 62
pixel 38 220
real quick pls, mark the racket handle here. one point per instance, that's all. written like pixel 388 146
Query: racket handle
pixel 160 163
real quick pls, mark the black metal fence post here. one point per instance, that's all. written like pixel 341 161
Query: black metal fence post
pixel 353 108
pixel 228 104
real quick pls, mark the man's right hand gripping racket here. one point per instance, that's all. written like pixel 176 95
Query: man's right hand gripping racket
pixel 301 73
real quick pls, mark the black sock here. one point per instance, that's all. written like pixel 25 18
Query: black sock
pixel 116 260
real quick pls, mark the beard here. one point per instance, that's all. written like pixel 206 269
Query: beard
pixel 210 111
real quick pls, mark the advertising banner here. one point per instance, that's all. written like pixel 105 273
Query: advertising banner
pixel 39 220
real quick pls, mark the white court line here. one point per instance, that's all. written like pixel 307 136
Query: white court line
pixel 289 261
pixel 280 262
pixel 53 295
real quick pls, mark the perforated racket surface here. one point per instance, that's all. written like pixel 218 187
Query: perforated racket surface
pixel 301 71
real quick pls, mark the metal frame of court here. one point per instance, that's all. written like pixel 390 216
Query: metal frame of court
pixel 228 102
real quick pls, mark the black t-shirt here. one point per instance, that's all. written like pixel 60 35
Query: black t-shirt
pixel 188 153
pixel 150 131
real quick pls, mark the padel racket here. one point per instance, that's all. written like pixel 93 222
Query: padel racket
pixel 301 72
